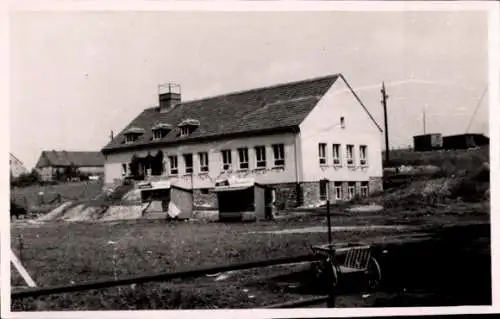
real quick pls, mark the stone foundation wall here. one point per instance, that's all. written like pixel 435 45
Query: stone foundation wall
pixel 310 192
pixel 202 198
pixel 375 185
pixel 286 195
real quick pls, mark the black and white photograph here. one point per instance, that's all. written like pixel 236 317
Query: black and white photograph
pixel 249 159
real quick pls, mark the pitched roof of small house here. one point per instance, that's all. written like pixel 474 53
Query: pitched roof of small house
pixel 67 158
pixel 17 160
pixel 269 109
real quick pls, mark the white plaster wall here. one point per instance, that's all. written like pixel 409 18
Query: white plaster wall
pixel 322 125
pixel 91 169
pixel 113 166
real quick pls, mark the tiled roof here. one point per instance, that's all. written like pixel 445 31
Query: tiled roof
pixel 66 158
pixel 277 107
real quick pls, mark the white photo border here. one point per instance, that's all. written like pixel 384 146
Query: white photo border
pixel 494 126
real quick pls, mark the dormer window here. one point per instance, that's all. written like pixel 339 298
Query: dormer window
pixel 185 130
pixel 131 138
pixel 188 126
pixel 132 134
pixel 161 130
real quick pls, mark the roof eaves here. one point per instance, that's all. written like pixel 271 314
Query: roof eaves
pixel 109 150
pixel 361 102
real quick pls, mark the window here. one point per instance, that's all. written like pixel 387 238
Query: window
pixel 173 165
pixel 338 190
pixel 158 134
pixel 204 191
pixel 279 154
pixel 350 155
pixel 203 162
pixel 131 138
pixel 364 189
pixel 226 160
pixel 260 154
pixel 351 190
pixel 184 130
pixel 342 122
pixel 336 154
pixel 323 189
pixel 243 155
pixel 362 155
pixel 322 153
pixel 188 163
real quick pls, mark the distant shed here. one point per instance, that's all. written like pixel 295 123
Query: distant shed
pixel 176 201
pixel 238 198
pixel 427 142
pixel 464 141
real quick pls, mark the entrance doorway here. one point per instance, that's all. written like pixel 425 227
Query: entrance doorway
pixel 323 189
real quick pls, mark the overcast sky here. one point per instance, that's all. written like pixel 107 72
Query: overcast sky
pixel 77 76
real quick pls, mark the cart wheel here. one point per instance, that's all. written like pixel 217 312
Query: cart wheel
pixel 325 274
pixel 374 273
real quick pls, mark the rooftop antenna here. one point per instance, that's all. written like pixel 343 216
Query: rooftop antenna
pixel 169 87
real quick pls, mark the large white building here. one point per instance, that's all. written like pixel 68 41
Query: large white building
pixel 304 139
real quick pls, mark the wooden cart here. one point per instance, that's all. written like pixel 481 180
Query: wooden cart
pixel 343 260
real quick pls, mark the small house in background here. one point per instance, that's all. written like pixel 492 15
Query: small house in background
pixel 176 202
pixel 52 165
pixel 427 142
pixel 16 166
pixel 243 199
pixel 464 141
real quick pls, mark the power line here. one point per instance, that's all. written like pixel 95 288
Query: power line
pixel 477 108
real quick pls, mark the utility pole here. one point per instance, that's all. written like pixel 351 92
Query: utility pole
pixel 384 104
pixel 423 115
pixel 111 135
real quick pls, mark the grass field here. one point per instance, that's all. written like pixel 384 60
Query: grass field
pixel 441 258
pixel 58 254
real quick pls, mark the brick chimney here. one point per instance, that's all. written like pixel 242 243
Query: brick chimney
pixel 169 96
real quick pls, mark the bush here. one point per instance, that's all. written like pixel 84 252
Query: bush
pixel 472 185
pixel 26 179
pixel 449 162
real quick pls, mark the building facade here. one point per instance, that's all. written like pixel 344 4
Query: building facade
pixel 53 164
pixel 427 142
pixel 307 140
pixel 464 141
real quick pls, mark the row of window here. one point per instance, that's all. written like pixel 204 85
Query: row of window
pixel 162 129
pixel 337 157
pixel 227 161
pixel 338 190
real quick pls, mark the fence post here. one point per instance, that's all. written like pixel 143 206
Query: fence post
pixel 328 218
pixel 21 247
pixel 332 288
pixel 331 297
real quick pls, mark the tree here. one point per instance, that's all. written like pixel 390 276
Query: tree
pixel 25 179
